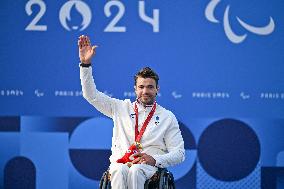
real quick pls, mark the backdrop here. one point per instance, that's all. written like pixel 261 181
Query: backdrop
pixel 221 71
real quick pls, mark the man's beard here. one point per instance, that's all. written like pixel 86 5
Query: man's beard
pixel 146 101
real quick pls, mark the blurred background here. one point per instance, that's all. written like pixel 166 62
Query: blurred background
pixel 221 67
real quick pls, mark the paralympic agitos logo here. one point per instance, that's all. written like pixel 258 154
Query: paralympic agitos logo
pixel 231 35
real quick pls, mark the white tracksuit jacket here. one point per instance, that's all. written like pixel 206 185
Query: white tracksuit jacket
pixel 162 138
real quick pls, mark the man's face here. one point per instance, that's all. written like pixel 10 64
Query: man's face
pixel 146 90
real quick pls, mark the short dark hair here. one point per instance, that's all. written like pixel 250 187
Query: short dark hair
pixel 147 73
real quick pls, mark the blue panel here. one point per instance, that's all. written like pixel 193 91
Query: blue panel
pixel 49 153
pixel 20 172
pixel 10 124
pixel 9 148
pixel 94 133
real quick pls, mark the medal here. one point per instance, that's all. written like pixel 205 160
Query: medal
pixel 131 154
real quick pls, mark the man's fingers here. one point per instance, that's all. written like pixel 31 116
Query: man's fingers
pixel 139 160
pixel 88 41
pixel 147 159
pixel 94 49
pixel 80 44
pixel 84 41
pixel 81 41
pixel 136 160
pixel 137 154
pixel 143 160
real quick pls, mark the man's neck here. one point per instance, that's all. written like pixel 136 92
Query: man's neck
pixel 144 104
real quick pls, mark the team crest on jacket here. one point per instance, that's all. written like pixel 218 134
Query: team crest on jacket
pixel 157 120
pixel 132 116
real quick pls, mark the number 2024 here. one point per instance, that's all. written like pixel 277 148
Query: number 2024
pixel 111 27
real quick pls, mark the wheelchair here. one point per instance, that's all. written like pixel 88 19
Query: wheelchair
pixel 162 179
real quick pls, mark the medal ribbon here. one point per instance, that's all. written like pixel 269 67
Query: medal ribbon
pixel 138 135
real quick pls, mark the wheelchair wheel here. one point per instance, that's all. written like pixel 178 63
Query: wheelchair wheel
pixel 171 181
pixel 108 185
pixel 147 184
pixel 163 182
pixel 166 180
pixel 104 182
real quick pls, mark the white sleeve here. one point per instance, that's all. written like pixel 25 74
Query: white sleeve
pixel 175 146
pixel 99 100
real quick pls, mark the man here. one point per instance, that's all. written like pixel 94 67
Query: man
pixel 142 121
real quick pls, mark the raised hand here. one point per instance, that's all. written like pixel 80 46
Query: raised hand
pixel 86 51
